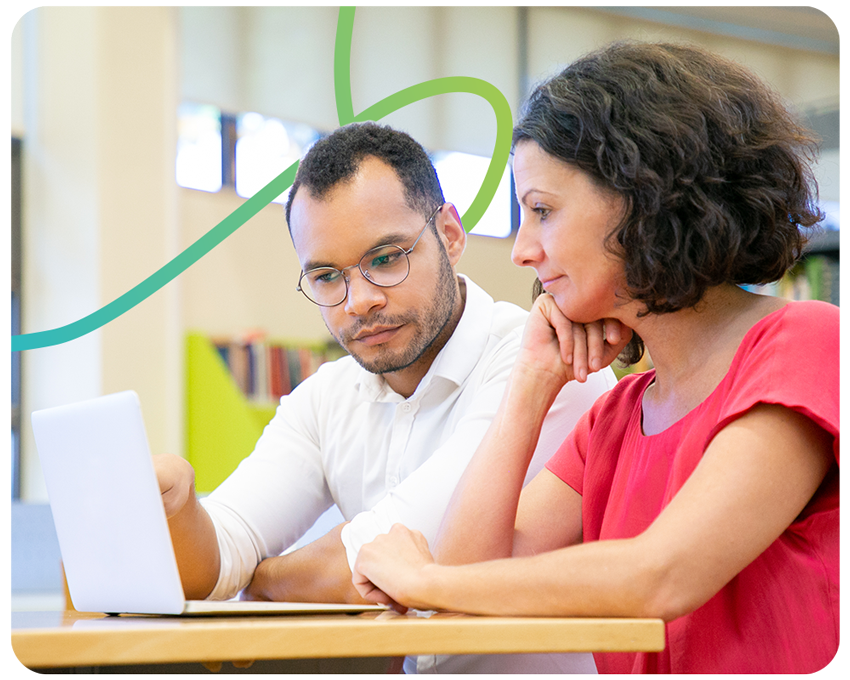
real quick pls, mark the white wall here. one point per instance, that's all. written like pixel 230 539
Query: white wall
pixel 95 92
pixel 804 78
pixel 99 213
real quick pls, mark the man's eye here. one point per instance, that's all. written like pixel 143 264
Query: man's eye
pixel 326 277
pixel 386 259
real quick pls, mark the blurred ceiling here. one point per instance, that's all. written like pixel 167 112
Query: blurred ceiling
pixel 804 28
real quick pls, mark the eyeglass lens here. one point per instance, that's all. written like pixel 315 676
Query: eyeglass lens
pixel 384 266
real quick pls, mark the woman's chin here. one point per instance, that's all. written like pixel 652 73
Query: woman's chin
pixel 576 313
pixel 568 307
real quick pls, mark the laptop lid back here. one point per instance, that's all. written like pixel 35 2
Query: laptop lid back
pixel 110 522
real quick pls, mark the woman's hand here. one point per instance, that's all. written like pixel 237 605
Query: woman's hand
pixel 556 346
pixel 390 570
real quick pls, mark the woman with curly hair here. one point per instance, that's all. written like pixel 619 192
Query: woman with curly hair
pixel 654 179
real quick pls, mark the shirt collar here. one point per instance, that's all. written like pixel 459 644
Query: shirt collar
pixel 458 357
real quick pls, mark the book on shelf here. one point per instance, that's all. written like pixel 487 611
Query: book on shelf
pixel 265 370
pixel 816 277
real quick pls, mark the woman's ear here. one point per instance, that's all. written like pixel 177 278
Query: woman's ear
pixel 451 232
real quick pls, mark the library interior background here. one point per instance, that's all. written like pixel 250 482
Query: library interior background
pixel 137 130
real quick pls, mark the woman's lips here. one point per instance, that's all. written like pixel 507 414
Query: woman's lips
pixel 548 282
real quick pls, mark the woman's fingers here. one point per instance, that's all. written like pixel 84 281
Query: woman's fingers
pixel 618 336
pixel 369 591
pixel 613 331
pixel 597 345
pixel 387 569
pixel 580 352
pixel 582 348
pixel 595 334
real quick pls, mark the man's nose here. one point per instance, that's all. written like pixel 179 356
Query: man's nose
pixel 363 296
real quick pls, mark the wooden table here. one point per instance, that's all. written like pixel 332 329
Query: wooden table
pixel 67 639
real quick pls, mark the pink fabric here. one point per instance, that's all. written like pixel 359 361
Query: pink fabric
pixel 780 614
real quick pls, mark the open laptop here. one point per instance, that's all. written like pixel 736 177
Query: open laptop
pixel 110 521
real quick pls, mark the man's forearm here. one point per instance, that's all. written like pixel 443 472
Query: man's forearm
pixel 196 549
pixel 318 572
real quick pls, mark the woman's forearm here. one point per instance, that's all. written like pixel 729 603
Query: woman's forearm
pixel 604 578
pixel 479 521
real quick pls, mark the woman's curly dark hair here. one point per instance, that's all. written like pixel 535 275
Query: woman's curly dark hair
pixel 714 168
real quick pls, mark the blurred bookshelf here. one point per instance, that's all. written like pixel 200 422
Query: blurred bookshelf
pixel 815 277
pixel 233 386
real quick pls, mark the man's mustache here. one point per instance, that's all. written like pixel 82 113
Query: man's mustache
pixel 377 320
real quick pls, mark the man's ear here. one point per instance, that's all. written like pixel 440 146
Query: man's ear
pixel 451 232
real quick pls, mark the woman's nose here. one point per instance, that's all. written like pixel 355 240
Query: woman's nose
pixel 526 251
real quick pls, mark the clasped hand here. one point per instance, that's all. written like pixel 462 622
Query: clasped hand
pixel 558 348
pixel 395 563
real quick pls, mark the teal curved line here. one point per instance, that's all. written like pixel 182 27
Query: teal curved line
pixel 345 112
pixel 449 85
pixel 163 275
pixel 504 129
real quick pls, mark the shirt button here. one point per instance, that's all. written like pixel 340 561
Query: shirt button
pixel 406 407
pixel 393 481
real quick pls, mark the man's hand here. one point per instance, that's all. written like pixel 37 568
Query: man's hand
pixel 192 531
pixel 176 479
pixel 318 572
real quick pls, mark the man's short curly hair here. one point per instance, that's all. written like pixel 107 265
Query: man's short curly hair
pixel 714 169
pixel 337 158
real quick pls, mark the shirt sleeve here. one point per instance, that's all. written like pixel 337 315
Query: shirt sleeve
pixel 282 478
pixel 793 362
pixel 420 500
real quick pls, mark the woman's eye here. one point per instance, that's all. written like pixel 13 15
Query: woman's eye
pixel 542 212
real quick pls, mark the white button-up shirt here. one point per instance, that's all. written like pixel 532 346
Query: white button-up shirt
pixel 343 436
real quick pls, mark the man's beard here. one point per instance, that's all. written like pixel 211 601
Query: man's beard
pixel 429 325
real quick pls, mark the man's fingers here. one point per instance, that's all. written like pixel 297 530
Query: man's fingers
pixel 176 479
pixel 173 500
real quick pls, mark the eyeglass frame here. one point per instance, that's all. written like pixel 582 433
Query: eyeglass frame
pixel 357 264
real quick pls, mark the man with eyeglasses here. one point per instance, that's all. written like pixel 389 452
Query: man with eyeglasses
pixel 386 432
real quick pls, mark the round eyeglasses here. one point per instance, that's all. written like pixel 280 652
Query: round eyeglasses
pixel 384 266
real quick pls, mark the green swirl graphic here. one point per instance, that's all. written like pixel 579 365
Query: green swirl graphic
pixel 345 113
